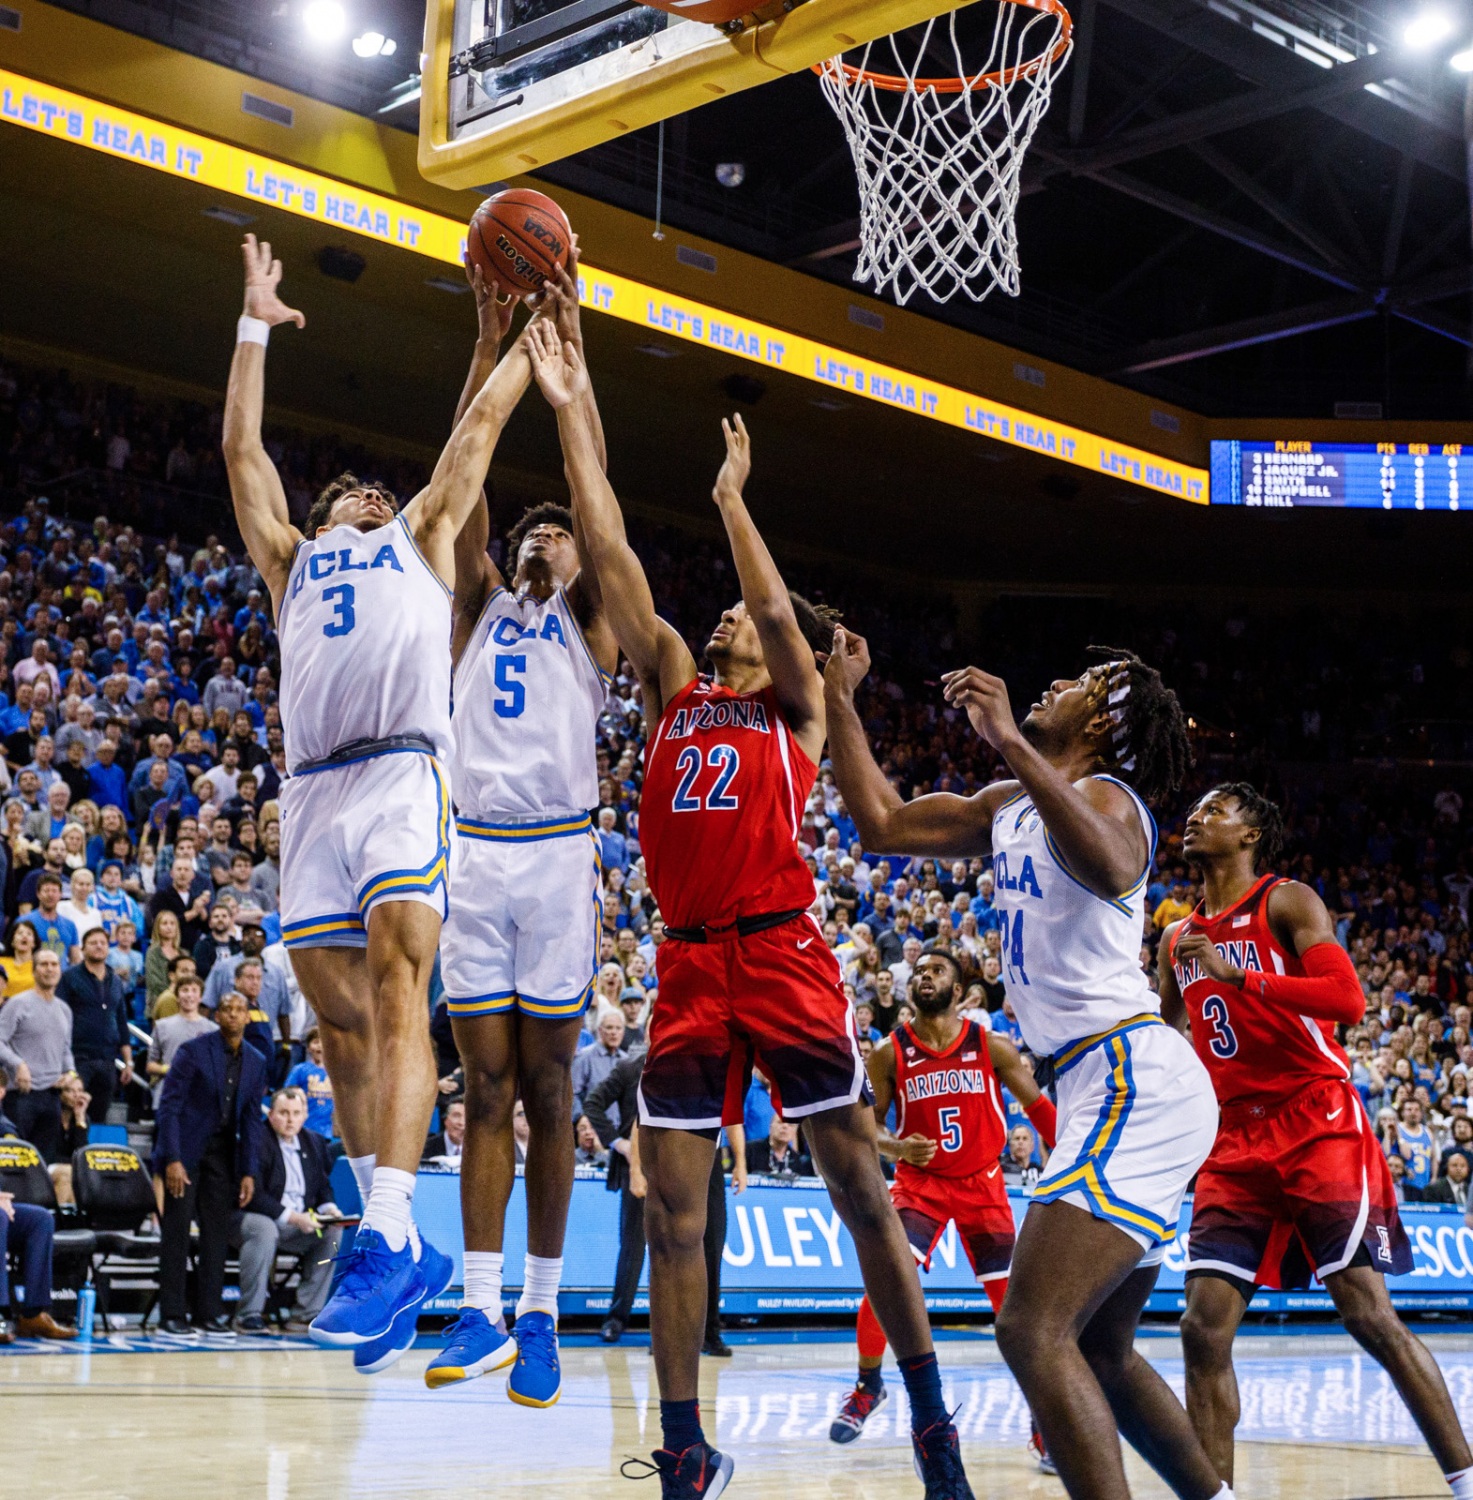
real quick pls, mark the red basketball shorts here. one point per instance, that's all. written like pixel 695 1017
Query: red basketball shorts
pixel 978 1205
pixel 776 998
pixel 1296 1188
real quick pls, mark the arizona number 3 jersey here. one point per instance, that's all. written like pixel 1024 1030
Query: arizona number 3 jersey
pixel 1253 1048
pixel 725 784
pixel 952 1098
pixel 365 643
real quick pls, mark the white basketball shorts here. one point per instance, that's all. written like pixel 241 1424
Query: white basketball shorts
pixel 373 830
pixel 1137 1117
pixel 525 917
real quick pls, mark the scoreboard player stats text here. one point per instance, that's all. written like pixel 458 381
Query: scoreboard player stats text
pixel 1372 476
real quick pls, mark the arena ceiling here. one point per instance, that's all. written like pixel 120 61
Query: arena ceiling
pixel 1250 207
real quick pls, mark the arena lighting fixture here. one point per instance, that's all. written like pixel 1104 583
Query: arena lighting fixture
pixel 1427 29
pixel 325 20
pixel 1462 62
pixel 370 44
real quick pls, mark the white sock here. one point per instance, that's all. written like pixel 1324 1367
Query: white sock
pixel 483 1281
pixel 387 1209
pixel 540 1282
pixel 1225 1493
pixel 363 1173
pixel 1461 1484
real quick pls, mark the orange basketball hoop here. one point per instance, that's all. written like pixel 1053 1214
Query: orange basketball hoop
pixel 938 159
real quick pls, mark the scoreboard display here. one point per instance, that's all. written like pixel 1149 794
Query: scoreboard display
pixel 1375 476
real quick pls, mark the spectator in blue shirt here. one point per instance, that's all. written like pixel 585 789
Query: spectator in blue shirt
pixel 613 846
pixel 109 784
pixel 1410 1139
pixel 176 784
pixel 53 931
pixel 981 905
pixel 311 1077
pixel 757 1111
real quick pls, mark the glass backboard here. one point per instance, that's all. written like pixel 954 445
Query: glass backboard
pixel 510 85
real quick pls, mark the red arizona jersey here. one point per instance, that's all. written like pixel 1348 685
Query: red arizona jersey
pixel 725 784
pixel 1253 1048
pixel 952 1098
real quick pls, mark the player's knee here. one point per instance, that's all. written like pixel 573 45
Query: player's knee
pixel 673 1230
pixel 1016 1333
pixel 490 1096
pixel 1206 1344
pixel 1377 1330
pixel 547 1090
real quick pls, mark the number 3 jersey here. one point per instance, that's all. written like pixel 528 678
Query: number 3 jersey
pixel 1254 1048
pixel 365 643
pixel 725 784
pixel 528 695
pixel 1071 959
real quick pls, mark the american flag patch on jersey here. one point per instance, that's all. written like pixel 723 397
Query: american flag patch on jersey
pixel 1242 921
pixel 969 1057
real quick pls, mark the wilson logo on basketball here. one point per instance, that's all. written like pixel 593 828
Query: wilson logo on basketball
pixel 519 262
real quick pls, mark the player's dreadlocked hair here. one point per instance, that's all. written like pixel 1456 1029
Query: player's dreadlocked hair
pixel 816 621
pixel 1150 742
pixel 538 515
pixel 322 506
pixel 1259 812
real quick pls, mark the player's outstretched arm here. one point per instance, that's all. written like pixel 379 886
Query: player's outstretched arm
pixel 1017 1079
pixel 255 486
pixel 789 657
pixel 476 576
pixel 436 515
pixel 941 824
pixel 659 657
pixel 1094 824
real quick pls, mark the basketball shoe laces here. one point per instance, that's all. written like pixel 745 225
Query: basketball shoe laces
pixel 540 1338
pixel 859 1404
pixel 939 1461
pixel 679 1479
pixel 364 1266
pixel 465 1325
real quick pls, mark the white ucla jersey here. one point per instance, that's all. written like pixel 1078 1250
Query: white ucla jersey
pixel 528 695
pixel 365 643
pixel 1071 959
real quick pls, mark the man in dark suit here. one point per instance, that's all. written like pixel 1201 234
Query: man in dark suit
pixel 781 1154
pixel 283 1217
pixel 451 1140
pixel 612 1108
pixel 208 1128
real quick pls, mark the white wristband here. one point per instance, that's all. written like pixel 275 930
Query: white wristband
pixel 252 330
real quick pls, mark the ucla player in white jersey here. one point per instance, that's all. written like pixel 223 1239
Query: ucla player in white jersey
pixel 362 605
pixel 534 658
pixel 1072 843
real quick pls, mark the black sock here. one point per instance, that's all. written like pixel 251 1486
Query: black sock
pixel 871 1380
pixel 922 1377
pixel 680 1422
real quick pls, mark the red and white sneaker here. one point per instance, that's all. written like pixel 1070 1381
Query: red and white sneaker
pixel 1036 1447
pixel 857 1409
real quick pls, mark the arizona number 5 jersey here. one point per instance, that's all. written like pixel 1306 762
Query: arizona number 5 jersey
pixel 725 784
pixel 952 1098
pixel 365 643
pixel 1253 1048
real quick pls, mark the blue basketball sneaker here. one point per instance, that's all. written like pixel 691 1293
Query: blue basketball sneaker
pixel 537 1377
pixel 378 1354
pixel 938 1462
pixel 376 1285
pixel 474 1345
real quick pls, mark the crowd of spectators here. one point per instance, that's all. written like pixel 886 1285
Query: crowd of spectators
pixel 142 757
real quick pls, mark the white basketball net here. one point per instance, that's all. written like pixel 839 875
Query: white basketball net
pixel 938 159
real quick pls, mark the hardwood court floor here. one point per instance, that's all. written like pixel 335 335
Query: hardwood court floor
pixel 290 1422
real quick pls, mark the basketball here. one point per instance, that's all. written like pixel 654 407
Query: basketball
pixel 519 238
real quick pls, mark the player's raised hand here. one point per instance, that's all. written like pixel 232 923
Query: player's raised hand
pixel 737 468
pixel 985 699
pixel 560 374
pixel 917 1149
pixel 564 300
pixel 1199 947
pixel 493 311
pixel 848 663
pixel 262 275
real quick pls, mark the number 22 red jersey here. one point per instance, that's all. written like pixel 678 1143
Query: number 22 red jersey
pixel 952 1098
pixel 1255 1049
pixel 725 785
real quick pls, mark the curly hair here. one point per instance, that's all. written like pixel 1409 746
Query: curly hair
pixel 816 621
pixel 538 515
pixel 1258 812
pixel 346 482
pixel 1149 747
